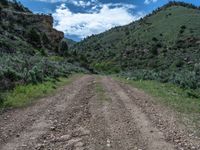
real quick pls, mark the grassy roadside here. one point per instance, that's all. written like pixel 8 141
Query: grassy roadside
pixel 24 95
pixel 185 102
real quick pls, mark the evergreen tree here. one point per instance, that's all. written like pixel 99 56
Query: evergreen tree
pixel 63 50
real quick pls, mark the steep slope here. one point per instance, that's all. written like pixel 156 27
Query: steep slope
pixel 169 38
pixel 21 30
pixel 31 50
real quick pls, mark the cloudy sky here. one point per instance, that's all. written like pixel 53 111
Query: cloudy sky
pixel 81 18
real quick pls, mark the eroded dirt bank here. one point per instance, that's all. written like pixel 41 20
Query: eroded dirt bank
pixel 82 117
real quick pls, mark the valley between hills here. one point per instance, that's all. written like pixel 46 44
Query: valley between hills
pixel 133 87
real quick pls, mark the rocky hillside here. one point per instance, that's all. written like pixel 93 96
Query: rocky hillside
pixel 21 30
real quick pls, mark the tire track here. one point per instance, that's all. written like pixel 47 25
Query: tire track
pixel 164 119
pixel 100 133
pixel 123 129
pixel 152 138
pixel 26 125
pixel 70 129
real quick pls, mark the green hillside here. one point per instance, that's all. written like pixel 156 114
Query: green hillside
pixel 31 50
pixel 163 45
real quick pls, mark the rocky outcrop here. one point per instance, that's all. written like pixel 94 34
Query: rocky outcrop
pixel 20 25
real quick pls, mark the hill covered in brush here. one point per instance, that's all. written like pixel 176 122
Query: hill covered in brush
pixel 31 50
pixel 164 45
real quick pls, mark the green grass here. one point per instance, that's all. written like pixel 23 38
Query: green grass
pixel 24 95
pixel 181 100
pixel 100 91
pixel 56 58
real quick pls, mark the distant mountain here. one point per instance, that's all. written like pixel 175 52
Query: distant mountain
pixel 167 39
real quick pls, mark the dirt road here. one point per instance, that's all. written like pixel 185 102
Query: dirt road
pixel 94 113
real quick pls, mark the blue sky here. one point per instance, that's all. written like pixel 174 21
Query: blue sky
pixel 81 18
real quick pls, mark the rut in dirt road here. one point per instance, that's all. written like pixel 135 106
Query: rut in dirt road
pixel 21 129
pixel 128 121
pixel 80 117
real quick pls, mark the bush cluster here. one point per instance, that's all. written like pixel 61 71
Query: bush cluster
pixel 34 38
pixel 184 78
pixel 24 69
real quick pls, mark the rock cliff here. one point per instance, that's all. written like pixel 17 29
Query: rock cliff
pixel 27 32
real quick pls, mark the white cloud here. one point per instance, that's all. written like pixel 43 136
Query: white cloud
pixel 79 3
pixel 150 1
pixel 95 21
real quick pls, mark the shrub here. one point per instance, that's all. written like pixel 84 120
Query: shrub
pixel 43 52
pixel 24 69
pixel 108 67
pixel 45 39
pixel 127 31
pixel 63 50
pixel 152 63
pixel 197 69
pixel 183 27
pixel 11 74
pixel 184 79
pixel 158 45
pixel 4 2
pixel 154 39
pixel 178 63
pixel 34 38
pixel 154 50
pixel 1 99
